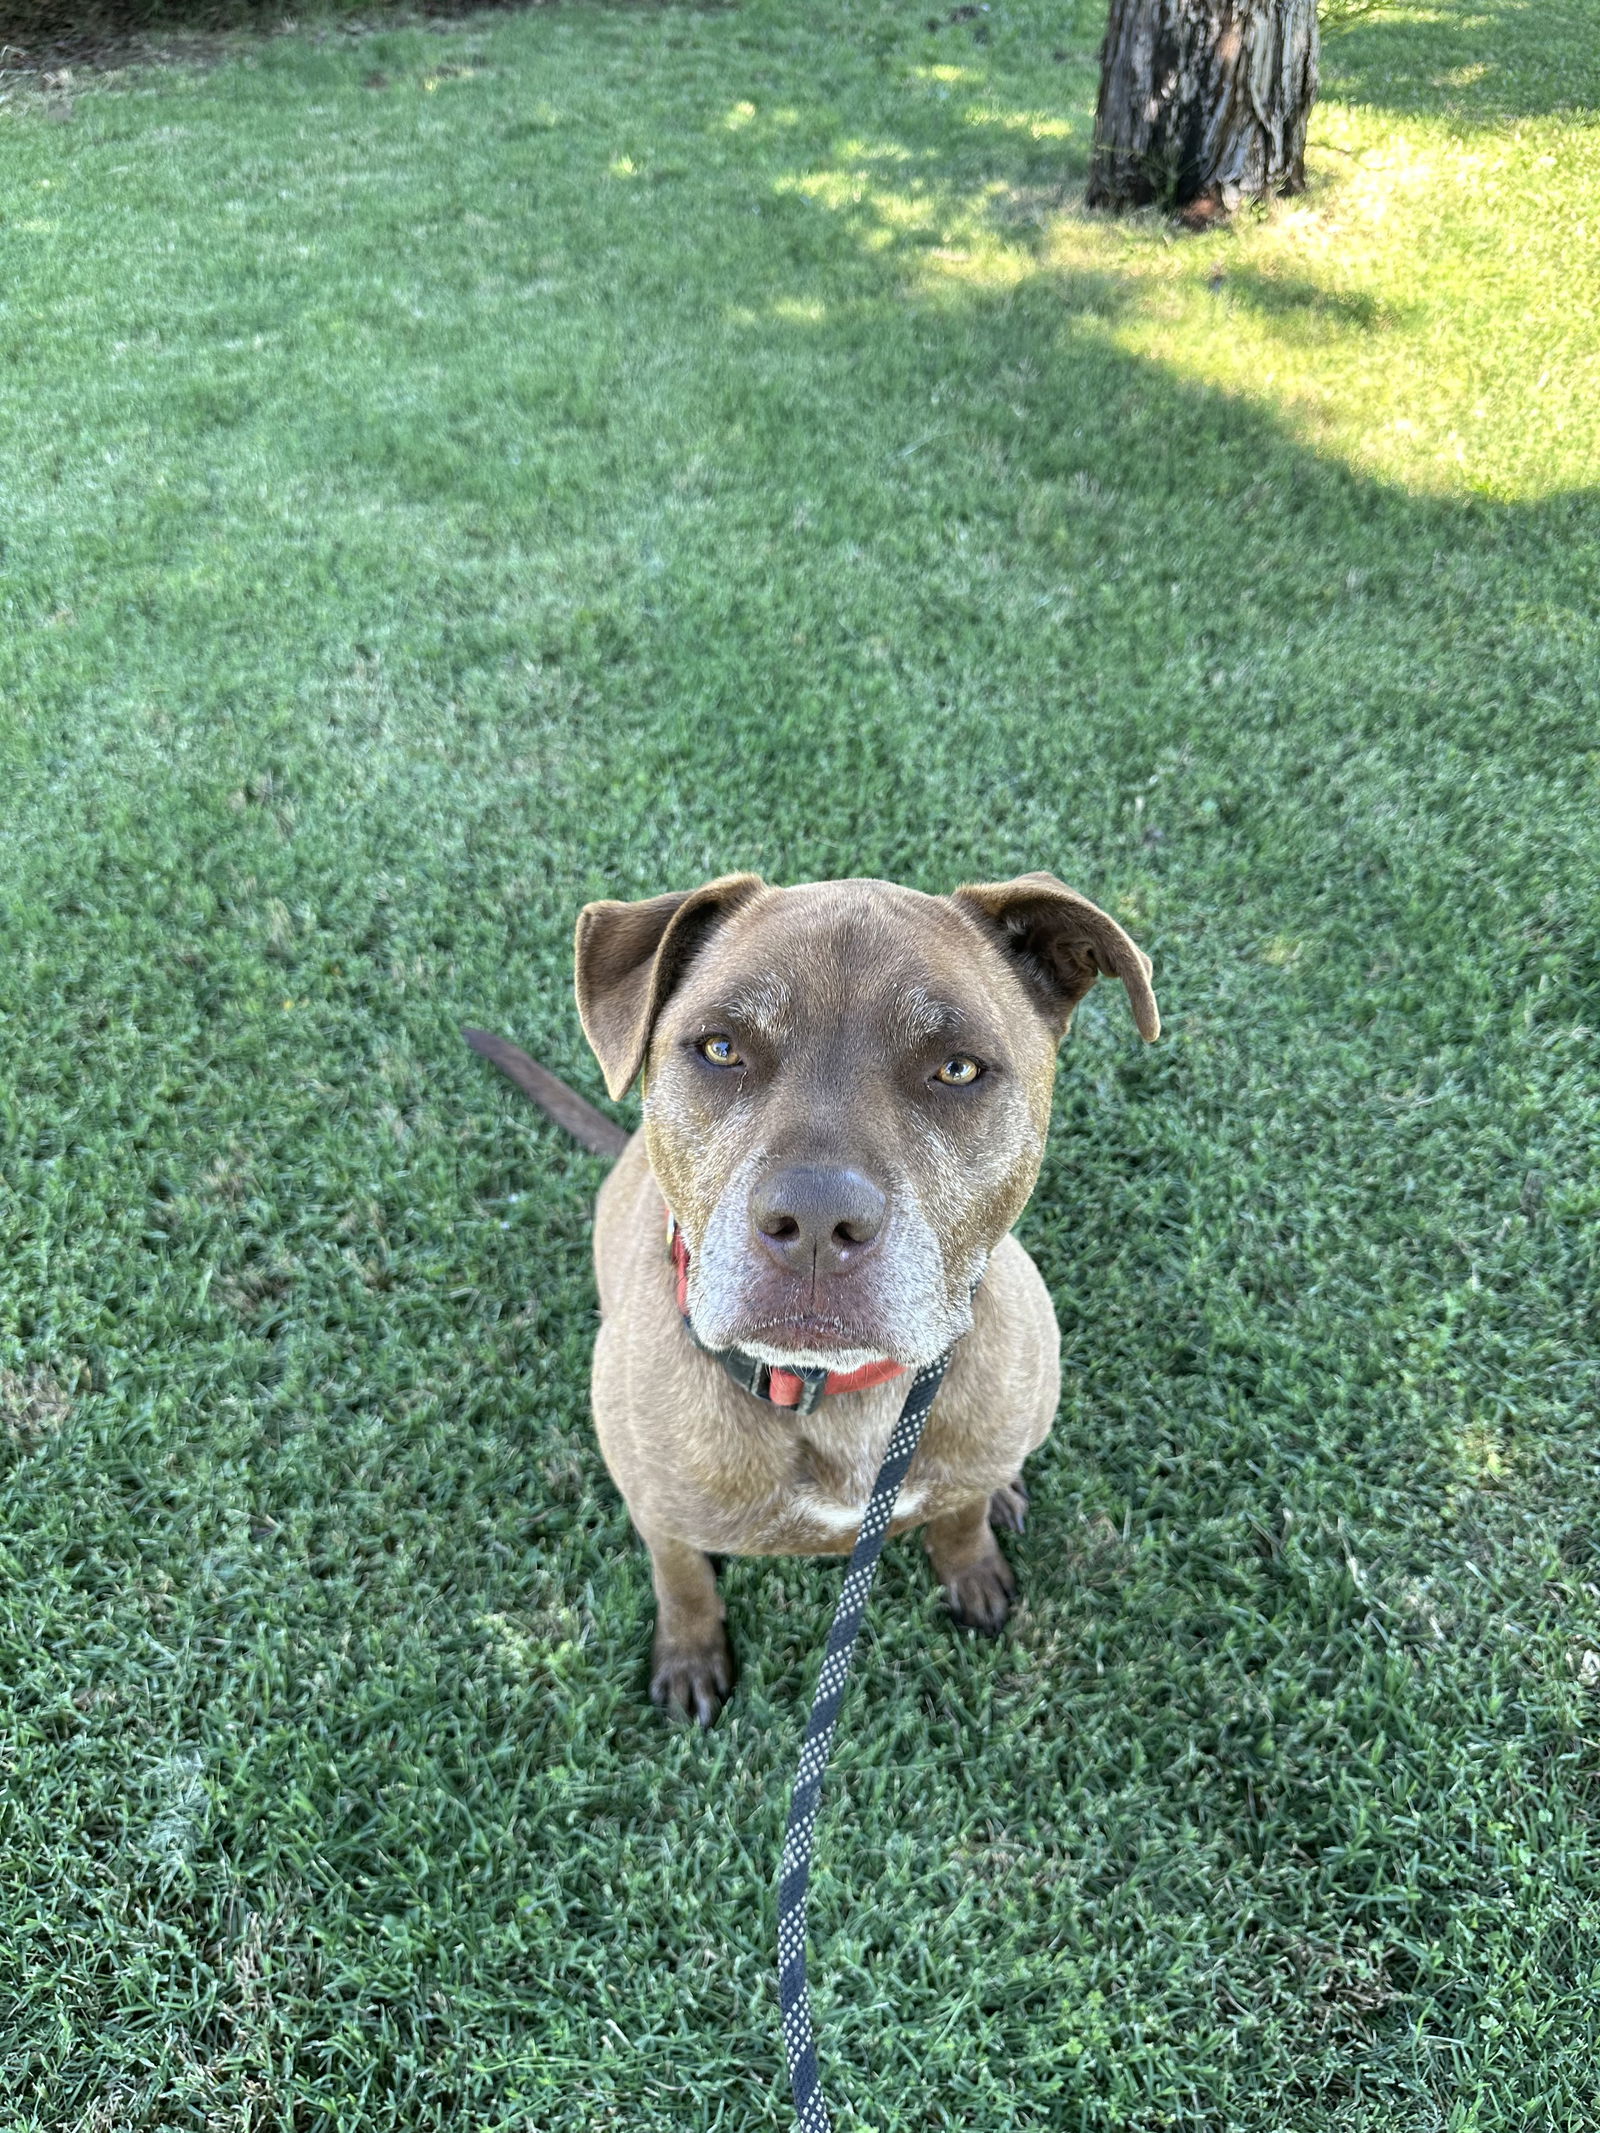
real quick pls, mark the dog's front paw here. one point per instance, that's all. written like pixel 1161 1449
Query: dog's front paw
pixel 980 1598
pixel 692 1681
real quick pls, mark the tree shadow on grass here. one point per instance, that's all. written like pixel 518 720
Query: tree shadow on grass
pixel 1301 308
pixel 1475 65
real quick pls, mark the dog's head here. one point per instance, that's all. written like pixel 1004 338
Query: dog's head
pixel 846 1090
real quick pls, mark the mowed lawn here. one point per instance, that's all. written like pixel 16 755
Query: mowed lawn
pixel 453 473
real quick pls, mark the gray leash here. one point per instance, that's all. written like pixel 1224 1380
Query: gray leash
pixel 798 2040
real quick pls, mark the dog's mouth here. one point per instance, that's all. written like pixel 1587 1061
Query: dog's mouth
pixel 820 1324
pixel 813 1329
pixel 813 1340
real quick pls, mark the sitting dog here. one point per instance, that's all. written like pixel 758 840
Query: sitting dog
pixel 847 1087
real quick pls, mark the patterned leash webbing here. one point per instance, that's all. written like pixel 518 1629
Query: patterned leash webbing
pixel 798 2041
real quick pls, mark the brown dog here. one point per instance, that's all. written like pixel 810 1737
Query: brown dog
pixel 846 1093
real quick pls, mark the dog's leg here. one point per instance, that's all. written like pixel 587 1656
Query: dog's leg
pixel 691 1663
pixel 976 1577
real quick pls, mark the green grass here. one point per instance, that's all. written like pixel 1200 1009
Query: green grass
pixel 634 444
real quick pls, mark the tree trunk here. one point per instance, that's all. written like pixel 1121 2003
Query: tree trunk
pixel 1203 101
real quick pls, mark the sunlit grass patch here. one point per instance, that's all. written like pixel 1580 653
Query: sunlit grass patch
pixel 1429 312
pixel 1439 301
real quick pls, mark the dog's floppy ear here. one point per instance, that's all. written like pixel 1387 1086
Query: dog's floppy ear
pixel 1060 943
pixel 629 957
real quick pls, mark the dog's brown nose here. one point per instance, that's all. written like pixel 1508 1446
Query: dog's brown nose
pixel 808 1216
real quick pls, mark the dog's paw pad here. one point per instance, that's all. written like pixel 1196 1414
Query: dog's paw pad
pixel 980 1598
pixel 692 1682
pixel 1008 1507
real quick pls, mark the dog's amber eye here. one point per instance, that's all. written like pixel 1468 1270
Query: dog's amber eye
pixel 959 1073
pixel 720 1051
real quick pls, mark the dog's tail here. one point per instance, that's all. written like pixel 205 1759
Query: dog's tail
pixel 598 1133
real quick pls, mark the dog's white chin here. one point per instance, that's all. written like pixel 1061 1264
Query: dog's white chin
pixel 841 1359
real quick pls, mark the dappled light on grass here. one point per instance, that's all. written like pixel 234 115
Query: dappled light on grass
pixel 936 233
pixel 1037 125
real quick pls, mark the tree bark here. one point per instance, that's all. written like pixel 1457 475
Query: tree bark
pixel 1203 101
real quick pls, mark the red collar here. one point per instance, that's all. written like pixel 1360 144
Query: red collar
pixel 783 1388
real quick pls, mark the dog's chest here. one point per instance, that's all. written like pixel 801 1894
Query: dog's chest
pixel 837 1461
